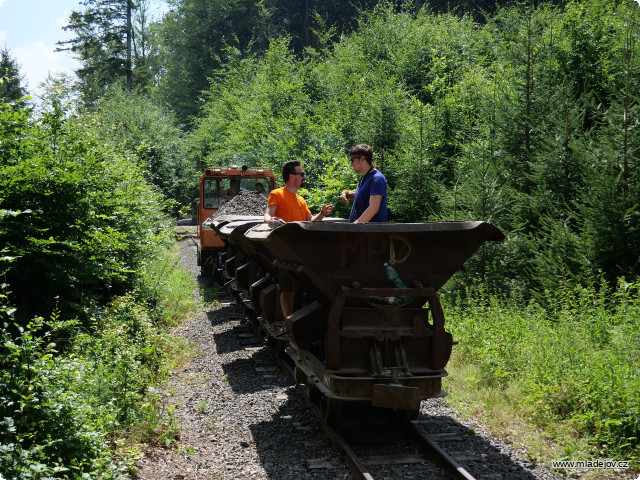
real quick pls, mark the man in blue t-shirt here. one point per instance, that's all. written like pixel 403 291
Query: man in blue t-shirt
pixel 370 197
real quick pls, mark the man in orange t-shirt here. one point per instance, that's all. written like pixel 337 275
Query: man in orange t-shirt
pixel 285 205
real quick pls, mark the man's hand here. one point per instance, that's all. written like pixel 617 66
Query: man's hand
pixel 345 196
pixel 326 210
pixel 275 222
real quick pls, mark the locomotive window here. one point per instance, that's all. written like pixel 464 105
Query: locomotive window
pixel 261 185
pixel 210 195
pixel 215 189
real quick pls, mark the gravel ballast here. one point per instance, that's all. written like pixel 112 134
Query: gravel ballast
pixel 241 417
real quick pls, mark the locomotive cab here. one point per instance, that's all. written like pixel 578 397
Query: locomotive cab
pixel 218 185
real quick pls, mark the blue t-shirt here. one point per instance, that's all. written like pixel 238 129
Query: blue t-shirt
pixel 373 183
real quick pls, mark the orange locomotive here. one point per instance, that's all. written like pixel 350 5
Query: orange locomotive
pixel 218 185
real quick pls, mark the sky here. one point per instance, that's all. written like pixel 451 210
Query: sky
pixel 30 30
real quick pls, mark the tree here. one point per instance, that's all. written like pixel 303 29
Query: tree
pixel 132 123
pixel 299 19
pixel 146 66
pixel 87 215
pixel 111 40
pixel 11 88
pixel 611 203
pixel 194 36
pixel 197 34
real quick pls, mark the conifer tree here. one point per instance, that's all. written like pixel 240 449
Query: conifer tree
pixel 11 88
pixel 611 205
pixel 105 43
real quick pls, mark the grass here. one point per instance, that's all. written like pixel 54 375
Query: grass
pixel 563 380
pixel 504 415
pixel 202 406
pixel 501 410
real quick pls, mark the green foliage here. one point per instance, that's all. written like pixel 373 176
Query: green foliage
pixel 92 217
pixel 260 115
pixel 61 408
pixel 576 361
pixel 611 201
pixel 467 121
pixel 132 123
pixel 112 40
pixel 163 287
pixel 194 37
pixel 46 429
pixel 122 353
pixel 84 242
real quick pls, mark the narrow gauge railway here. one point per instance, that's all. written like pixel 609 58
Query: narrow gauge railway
pixel 375 442
pixel 367 328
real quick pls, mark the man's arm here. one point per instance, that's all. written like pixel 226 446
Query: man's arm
pixel 324 211
pixel 372 209
pixel 270 212
pixel 347 195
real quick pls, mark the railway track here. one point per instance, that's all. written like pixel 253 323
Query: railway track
pixel 426 452
pixel 374 442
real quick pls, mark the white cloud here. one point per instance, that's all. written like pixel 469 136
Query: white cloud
pixel 38 60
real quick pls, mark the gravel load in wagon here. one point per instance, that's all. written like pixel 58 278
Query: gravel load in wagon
pixel 245 203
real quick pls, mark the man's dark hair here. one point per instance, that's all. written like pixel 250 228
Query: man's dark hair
pixel 362 150
pixel 289 168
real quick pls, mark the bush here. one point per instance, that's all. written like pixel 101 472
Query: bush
pixel 46 430
pixel 63 412
pixel 91 216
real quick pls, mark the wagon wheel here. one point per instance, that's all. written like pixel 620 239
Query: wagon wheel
pixel 405 416
pixel 262 331
pixel 217 274
pixel 279 348
pixel 331 409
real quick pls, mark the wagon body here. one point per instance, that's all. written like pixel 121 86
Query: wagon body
pixel 357 332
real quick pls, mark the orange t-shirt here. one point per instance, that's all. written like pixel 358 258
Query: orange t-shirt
pixel 290 206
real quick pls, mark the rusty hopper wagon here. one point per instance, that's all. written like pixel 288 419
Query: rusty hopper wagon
pixel 367 322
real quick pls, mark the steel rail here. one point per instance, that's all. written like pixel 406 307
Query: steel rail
pixel 357 467
pixel 442 458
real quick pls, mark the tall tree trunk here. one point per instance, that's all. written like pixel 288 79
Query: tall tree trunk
pixel 307 34
pixel 129 35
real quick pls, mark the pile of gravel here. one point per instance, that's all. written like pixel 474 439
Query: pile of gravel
pixel 244 203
